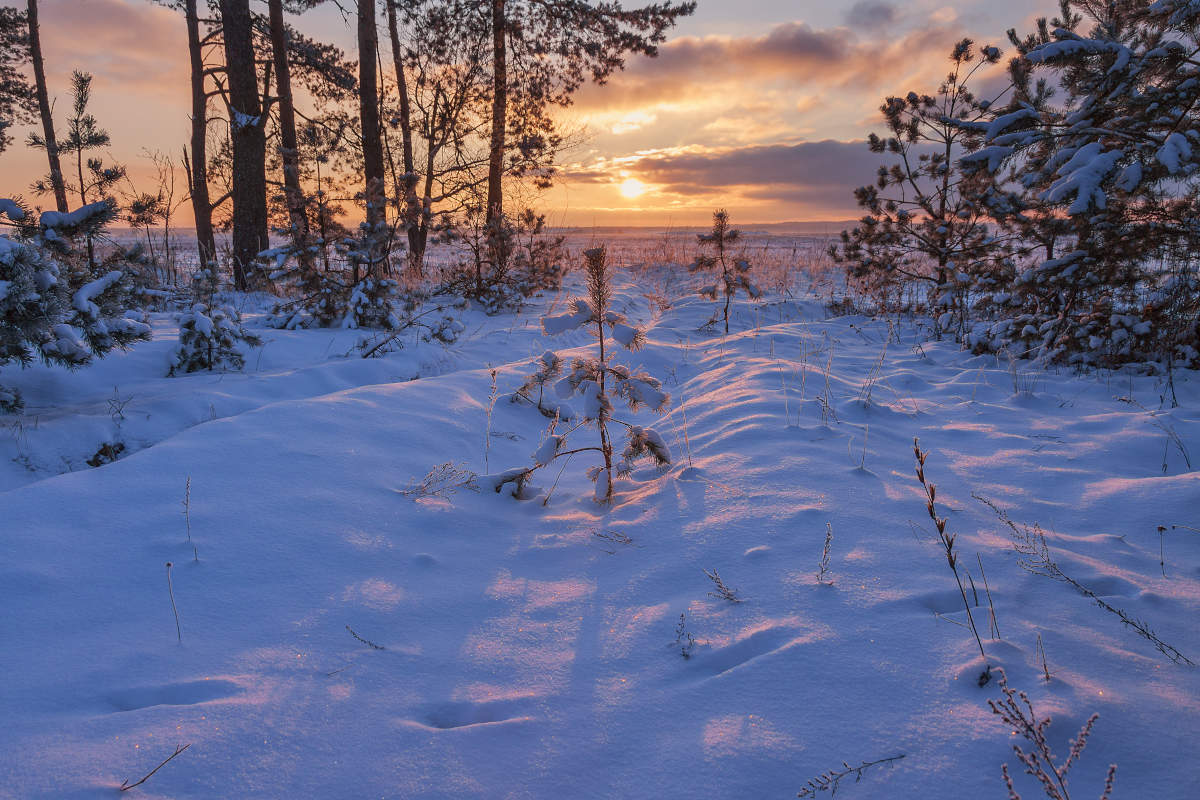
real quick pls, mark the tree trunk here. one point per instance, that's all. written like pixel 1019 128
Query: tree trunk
pixel 249 140
pixel 43 98
pixel 495 198
pixel 372 139
pixel 289 150
pixel 206 242
pixel 412 207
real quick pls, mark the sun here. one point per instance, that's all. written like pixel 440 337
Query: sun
pixel 632 188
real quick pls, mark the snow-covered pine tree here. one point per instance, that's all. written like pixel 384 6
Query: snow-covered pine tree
pixel 732 273
pixel 52 306
pixel 1116 165
pixel 373 298
pixel 925 225
pixel 597 382
pixel 323 296
pixel 211 339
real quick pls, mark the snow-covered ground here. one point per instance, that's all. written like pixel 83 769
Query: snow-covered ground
pixel 344 636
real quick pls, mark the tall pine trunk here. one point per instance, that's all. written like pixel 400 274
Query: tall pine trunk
pixel 43 99
pixel 495 196
pixel 197 165
pixel 412 217
pixel 288 148
pixel 372 139
pixel 249 140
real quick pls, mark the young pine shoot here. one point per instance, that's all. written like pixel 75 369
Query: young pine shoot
pixel 731 273
pixel 597 382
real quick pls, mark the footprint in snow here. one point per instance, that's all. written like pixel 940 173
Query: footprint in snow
pixel 172 694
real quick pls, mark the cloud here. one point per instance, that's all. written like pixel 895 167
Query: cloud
pixel 812 178
pixel 871 15
pixel 128 45
pixel 711 70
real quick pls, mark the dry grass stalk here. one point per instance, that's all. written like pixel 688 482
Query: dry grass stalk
pixel 823 567
pixel 947 541
pixel 367 642
pixel 171 594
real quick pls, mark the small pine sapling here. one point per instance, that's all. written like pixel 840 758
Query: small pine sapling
pixel 210 340
pixel 732 273
pixel 597 381
pixel 372 304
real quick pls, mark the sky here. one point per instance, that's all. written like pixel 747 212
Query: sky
pixel 758 106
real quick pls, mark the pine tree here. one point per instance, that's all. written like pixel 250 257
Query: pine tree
pixel 542 51
pixel 211 339
pixel 598 382
pixel 43 100
pixel 1114 168
pixel 52 305
pixel 925 222
pixel 95 178
pixel 18 105
pixel 732 273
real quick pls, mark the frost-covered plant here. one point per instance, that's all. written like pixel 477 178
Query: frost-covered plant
pixel 597 382
pixel 323 298
pixel 924 223
pixel 1016 712
pixel 52 305
pixel 1114 169
pixel 731 274
pixel 211 339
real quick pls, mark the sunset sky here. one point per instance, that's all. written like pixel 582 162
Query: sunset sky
pixel 757 105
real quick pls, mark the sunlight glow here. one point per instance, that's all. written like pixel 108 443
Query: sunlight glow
pixel 632 188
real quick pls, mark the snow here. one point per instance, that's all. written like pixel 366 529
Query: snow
pixel 530 649
pixel 1082 175
pixel 11 209
pixel 82 301
pixel 49 220
pixel 1175 152
pixel 243 120
pixel 580 315
pixel 8 250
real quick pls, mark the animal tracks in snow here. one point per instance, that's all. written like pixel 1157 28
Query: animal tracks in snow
pixel 454 715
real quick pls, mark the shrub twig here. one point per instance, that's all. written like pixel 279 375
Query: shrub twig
pixel 126 785
pixel 829 780
pixel 722 592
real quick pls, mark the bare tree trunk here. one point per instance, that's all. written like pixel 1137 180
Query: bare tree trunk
pixel 289 150
pixel 249 140
pixel 412 206
pixel 197 170
pixel 43 98
pixel 372 139
pixel 495 197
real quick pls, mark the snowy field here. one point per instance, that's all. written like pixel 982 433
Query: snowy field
pixel 343 634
